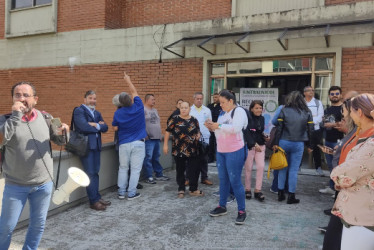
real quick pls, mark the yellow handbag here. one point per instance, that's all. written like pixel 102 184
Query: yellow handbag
pixel 278 160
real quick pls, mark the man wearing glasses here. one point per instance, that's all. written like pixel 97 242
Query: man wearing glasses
pixel 27 165
pixel 331 119
pixel 316 109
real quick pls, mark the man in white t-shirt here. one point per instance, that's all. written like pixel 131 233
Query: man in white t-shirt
pixel 316 109
pixel 202 113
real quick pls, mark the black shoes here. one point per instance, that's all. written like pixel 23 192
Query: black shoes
pixel 291 199
pixel 218 211
pixel 327 212
pixel 241 218
pixel 281 196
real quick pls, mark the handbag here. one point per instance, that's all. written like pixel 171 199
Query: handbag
pixel 278 160
pixel 203 147
pixel 78 142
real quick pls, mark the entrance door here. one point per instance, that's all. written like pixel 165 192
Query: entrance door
pixel 284 83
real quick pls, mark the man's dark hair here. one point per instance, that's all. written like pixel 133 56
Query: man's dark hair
pixel 24 83
pixel 90 92
pixel 147 96
pixel 125 99
pixel 333 88
pixel 179 100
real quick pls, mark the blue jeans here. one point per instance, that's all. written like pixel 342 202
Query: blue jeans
pixel 91 165
pixel 294 151
pixel 14 200
pixel 131 155
pixel 152 158
pixel 230 166
pixel 329 160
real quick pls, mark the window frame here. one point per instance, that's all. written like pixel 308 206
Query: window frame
pixel 33 5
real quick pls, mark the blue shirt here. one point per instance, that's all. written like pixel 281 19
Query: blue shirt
pixel 130 122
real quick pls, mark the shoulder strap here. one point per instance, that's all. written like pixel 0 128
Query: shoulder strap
pixel 72 119
pixel 316 101
pixel 232 113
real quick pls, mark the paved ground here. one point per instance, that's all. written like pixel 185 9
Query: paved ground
pixel 159 220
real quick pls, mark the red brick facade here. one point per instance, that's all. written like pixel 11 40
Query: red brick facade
pixel 2 18
pixel 60 89
pixel 357 69
pixel 113 14
pixel 150 12
pixel 334 2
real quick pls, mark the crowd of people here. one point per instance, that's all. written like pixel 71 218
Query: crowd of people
pixel 223 132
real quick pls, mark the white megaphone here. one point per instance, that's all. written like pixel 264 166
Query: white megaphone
pixel 77 178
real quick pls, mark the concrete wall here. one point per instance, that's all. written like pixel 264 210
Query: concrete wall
pixel 108 177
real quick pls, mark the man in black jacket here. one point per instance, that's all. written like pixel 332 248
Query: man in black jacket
pixel 216 109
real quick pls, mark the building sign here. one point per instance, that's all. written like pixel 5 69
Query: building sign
pixel 269 96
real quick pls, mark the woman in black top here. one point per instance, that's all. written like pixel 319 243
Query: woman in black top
pixel 256 151
pixel 186 134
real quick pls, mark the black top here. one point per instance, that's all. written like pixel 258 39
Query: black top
pixel 216 110
pixel 333 114
pixel 256 128
pixel 175 112
pixel 184 133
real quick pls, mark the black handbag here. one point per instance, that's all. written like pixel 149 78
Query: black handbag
pixel 203 147
pixel 78 143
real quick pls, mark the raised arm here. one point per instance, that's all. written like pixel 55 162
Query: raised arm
pixel 132 88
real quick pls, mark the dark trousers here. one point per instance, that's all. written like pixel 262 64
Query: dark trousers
pixel 91 165
pixel 333 235
pixel 317 139
pixel 212 147
pixel 193 170
pixel 203 162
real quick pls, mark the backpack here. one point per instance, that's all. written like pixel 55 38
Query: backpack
pixel 246 135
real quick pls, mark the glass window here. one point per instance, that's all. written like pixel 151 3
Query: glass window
pixel 18 4
pixel 218 69
pixel 322 85
pixel 245 67
pixel 299 64
pixel 217 85
pixel 323 63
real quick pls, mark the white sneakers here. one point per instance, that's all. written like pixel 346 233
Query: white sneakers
pixel 327 190
pixel 319 172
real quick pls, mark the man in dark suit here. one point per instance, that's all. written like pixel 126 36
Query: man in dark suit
pixel 88 121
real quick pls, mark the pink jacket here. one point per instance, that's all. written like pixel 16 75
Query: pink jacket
pixel 355 202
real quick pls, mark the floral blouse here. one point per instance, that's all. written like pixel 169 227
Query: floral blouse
pixel 355 202
pixel 185 132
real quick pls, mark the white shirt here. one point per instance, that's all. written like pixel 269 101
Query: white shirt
pixel 201 117
pixel 317 112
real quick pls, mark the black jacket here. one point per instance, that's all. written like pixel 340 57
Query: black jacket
pixel 256 126
pixel 294 125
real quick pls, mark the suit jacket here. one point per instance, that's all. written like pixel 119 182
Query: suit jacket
pixel 82 116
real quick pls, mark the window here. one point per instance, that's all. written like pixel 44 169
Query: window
pixel 18 4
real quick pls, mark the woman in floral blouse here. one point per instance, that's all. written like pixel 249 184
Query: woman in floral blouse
pixel 354 177
pixel 186 134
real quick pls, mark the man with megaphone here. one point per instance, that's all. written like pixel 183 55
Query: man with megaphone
pixel 27 165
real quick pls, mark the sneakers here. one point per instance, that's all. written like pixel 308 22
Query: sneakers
pixel 322 229
pixel 327 212
pixel 241 218
pixel 139 186
pixel 230 199
pixel 272 191
pixel 162 178
pixel 218 211
pixel 137 195
pixel 150 181
pixel 319 172
pixel 121 197
pixel 327 190
pixel 216 194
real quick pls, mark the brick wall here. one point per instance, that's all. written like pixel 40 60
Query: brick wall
pixel 150 12
pixel 2 19
pixel 357 69
pixel 333 2
pixel 80 15
pixel 113 14
pixel 60 89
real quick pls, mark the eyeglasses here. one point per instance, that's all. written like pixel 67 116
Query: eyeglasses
pixel 18 95
pixel 334 94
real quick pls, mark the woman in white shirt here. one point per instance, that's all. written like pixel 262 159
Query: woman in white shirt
pixel 231 153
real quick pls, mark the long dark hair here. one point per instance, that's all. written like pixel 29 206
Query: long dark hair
pixel 228 95
pixel 296 100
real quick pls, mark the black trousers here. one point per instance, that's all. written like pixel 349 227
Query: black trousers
pixel 191 164
pixel 317 139
pixel 212 147
pixel 203 162
pixel 333 234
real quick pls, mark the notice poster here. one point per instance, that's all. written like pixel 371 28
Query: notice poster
pixel 269 96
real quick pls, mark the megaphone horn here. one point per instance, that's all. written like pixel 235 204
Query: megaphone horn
pixel 77 178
